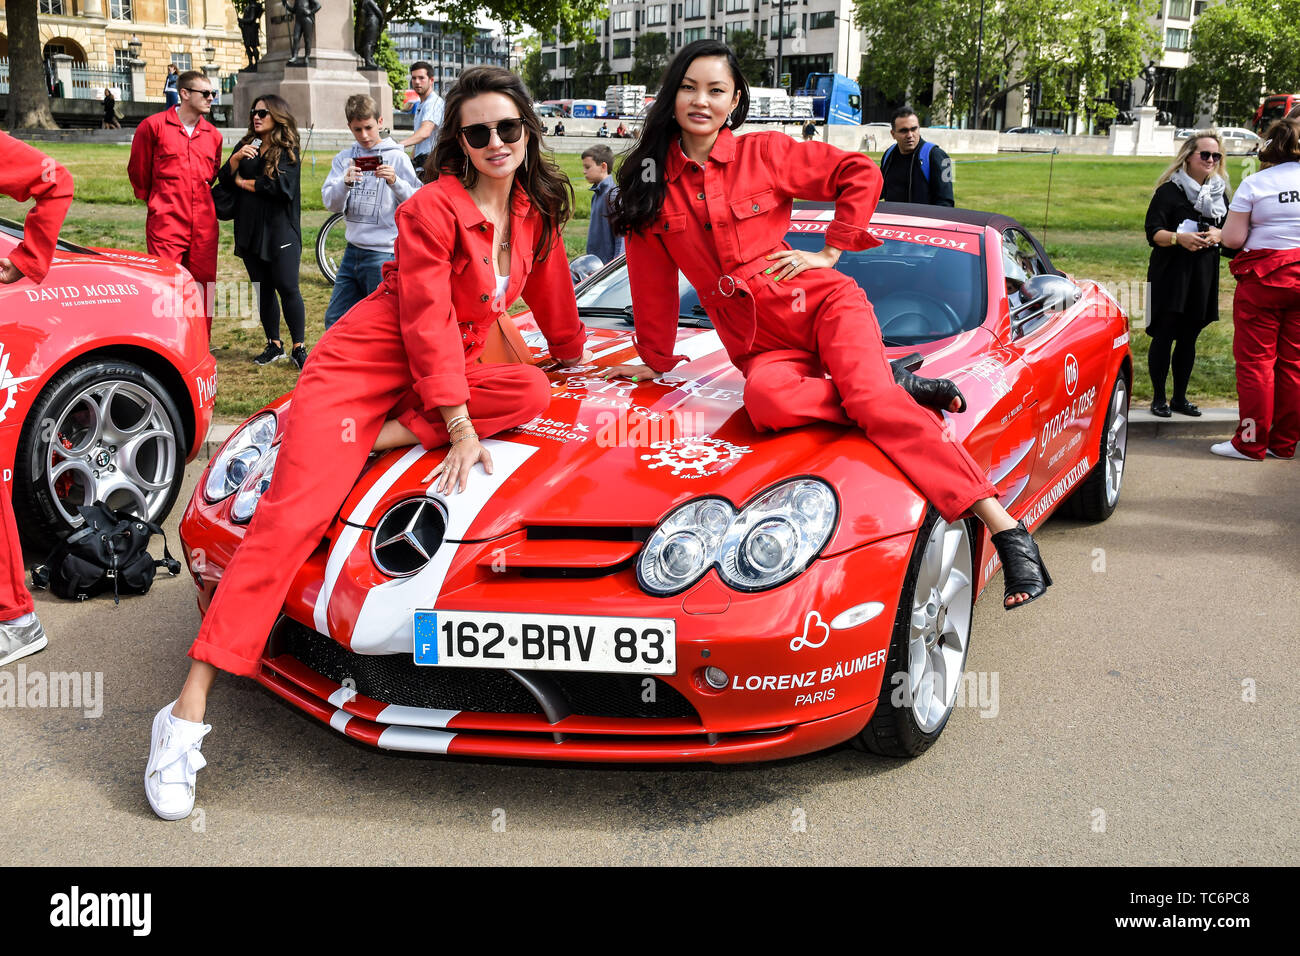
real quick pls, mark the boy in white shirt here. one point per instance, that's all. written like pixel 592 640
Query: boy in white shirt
pixel 366 182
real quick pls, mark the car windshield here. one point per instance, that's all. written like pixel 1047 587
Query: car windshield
pixel 920 291
pixel 15 229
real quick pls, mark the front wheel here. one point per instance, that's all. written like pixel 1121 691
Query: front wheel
pixel 927 653
pixel 331 242
pixel 100 431
pixel 1098 494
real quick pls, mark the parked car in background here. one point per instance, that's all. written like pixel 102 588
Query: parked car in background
pixel 106 385
pixel 1037 130
pixel 546 109
pixel 1238 141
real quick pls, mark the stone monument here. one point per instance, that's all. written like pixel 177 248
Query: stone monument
pixel 317 85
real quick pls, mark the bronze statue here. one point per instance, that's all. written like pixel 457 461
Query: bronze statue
pixel 304 29
pixel 1149 79
pixel 250 24
pixel 372 24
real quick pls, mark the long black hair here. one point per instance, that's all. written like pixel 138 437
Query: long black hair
pixel 641 183
pixel 547 187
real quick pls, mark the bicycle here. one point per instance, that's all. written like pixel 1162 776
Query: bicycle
pixel 331 242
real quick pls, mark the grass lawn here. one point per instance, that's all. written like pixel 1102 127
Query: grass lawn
pixel 1093 229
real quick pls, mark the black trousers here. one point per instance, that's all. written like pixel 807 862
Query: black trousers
pixel 279 278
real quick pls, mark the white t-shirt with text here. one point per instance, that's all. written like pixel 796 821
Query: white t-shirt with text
pixel 1272 197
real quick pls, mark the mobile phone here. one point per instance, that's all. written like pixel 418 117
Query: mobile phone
pixel 367 163
pixel 256 142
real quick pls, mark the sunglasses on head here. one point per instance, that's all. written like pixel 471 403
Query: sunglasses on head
pixel 258 114
pixel 480 134
pixel 208 93
pixel 1210 157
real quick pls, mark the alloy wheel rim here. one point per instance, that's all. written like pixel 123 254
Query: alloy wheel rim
pixel 1116 443
pixel 939 632
pixel 114 442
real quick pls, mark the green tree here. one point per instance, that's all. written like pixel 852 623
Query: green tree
pixel 535 76
pixel 1239 49
pixel 1073 51
pixel 751 51
pixel 386 57
pixel 590 72
pixel 649 59
pixel 29 99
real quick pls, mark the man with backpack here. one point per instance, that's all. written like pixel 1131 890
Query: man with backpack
pixel 914 170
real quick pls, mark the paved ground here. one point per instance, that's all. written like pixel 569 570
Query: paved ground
pixel 1146 712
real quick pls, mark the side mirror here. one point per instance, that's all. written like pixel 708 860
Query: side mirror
pixel 1040 296
pixel 584 267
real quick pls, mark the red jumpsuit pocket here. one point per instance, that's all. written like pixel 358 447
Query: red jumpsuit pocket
pixel 673 222
pixel 753 230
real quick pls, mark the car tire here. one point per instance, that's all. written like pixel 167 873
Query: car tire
pixel 1098 494
pixel 930 637
pixel 121 440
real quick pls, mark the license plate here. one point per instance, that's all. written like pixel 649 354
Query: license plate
pixel 564 642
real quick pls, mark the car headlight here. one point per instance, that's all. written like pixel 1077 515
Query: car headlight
pixel 254 486
pixel 770 541
pixel 239 458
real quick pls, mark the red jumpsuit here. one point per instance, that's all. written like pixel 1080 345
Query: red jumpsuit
pixel 717 224
pixel 26 173
pixel 1266 347
pixel 407 349
pixel 173 174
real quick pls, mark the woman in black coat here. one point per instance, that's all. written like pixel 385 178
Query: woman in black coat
pixel 263 175
pixel 1187 209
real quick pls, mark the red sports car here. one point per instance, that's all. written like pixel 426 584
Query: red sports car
pixel 106 385
pixel 646 578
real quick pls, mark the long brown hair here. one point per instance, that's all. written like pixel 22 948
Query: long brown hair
pixel 1281 142
pixel 546 187
pixel 283 138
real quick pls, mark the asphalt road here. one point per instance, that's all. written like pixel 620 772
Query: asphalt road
pixel 1118 733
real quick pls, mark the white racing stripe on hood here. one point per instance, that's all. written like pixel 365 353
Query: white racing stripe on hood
pixel 385 624
pixel 698 346
pixel 348 537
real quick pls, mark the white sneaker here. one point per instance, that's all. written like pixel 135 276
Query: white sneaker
pixel 1273 454
pixel 19 640
pixel 174 759
pixel 1228 450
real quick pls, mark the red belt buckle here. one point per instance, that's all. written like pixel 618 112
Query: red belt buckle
pixel 727 292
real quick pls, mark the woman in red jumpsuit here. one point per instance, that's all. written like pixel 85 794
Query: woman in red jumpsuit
pixel 399 367
pixel 803 335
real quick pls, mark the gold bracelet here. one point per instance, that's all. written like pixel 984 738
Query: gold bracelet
pixel 471 434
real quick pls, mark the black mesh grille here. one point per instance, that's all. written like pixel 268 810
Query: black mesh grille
pixel 397 679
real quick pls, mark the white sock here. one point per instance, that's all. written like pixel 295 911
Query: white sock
pixel 21 621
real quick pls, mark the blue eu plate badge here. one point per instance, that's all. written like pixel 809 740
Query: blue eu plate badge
pixel 426 637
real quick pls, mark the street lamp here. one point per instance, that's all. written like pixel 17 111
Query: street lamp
pixel 847 36
pixel 209 54
pixel 979 53
pixel 134 47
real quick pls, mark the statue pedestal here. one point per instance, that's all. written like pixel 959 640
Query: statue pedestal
pixel 1143 137
pixel 317 92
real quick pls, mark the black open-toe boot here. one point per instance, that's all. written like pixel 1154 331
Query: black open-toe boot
pixel 1023 571
pixel 936 393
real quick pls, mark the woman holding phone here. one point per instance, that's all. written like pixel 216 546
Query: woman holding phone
pixel 400 366
pixel 263 174
pixel 694 196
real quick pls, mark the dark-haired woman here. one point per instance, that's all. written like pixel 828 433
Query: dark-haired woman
pixel 1264 223
pixel 400 366
pixel 696 197
pixel 263 173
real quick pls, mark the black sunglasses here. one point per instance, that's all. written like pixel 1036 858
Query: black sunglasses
pixel 1210 157
pixel 480 134
pixel 208 93
pixel 258 114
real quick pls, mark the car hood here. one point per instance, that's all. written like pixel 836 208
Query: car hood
pixel 610 457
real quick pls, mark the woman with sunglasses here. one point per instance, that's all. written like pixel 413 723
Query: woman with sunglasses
pixel 1183 220
pixel 263 173
pixel 401 366
pixel 804 335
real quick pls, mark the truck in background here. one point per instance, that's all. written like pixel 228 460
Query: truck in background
pixel 836 99
pixel 1273 108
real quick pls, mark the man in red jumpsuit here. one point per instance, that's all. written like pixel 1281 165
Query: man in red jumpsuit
pixel 26 174
pixel 175 156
